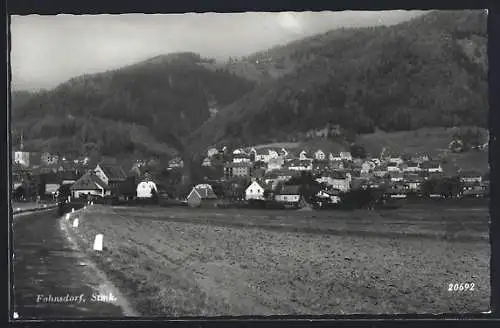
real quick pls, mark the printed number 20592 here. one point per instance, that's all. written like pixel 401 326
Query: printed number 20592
pixel 461 287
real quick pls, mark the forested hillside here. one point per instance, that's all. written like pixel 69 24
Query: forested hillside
pixel 430 71
pixel 137 108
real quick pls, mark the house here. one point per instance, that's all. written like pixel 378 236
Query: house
pixel 260 155
pixel 22 158
pixel 275 164
pixel 49 159
pixel 111 174
pixel 145 189
pixel 274 154
pixel 207 162
pixel 393 167
pixel 89 185
pixel 367 166
pixel 334 157
pixel 474 189
pixel 300 165
pixel 212 152
pixel 320 167
pixel 470 177
pixel 421 158
pixel 338 180
pixel 176 163
pixel 396 191
pixel 254 191
pixel 431 167
pixel 395 158
pixel 239 151
pixel 376 161
pixel 380 171
pixel 396 176
pixel 271 179
pixel 329 197
pixel 319 155
pixel 345 155
pixel 337 165
pixel 237 170
pixel 304 155
pixel 241 158
pixel 69 177
pixel 201 195
pixel 411 167
pixel 289 195
pixel 412 183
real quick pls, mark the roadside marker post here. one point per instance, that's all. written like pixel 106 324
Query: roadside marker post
pixel 98 243
pixel 75 223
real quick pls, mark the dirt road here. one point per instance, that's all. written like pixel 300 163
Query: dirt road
pixel 51 279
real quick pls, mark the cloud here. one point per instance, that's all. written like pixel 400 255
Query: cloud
pixel 47 50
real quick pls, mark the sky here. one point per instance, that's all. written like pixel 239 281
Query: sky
pixel 48 50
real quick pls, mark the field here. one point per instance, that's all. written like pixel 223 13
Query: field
pixel 185 262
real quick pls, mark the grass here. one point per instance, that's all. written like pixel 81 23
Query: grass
pixel 181 262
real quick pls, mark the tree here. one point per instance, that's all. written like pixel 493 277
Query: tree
pixel 41 188
pixel 358 151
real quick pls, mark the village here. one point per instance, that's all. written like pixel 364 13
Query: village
pixel 252 176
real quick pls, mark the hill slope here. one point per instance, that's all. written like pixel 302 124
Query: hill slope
pixel 137 108
pixel 430 71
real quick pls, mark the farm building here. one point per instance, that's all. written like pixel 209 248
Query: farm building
pixel 111 174
pixel 201 196
pixel 89 185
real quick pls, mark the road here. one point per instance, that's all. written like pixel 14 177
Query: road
pixel 46 266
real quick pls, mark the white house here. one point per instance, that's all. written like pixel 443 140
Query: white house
pixel 212 152
pixel 275 164
pixel 254 192
pixel 345 155
pixel 334 199
pixel 431 167
pixel 145 189
pixel 207 162
pixel 337 180
pixel 239 151
pixel 367 166
pixel 393 167
pixel 411 167
pixel 335 157
pixel 470 177
pixel 396 159
pixel 300 165
pixel 273 154
pixel 241 158
pixel 22 157
pixel 304 155
pixel 289 194
pixel 396 176
pixel 261 155
pixel 319 155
